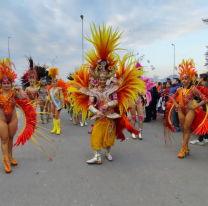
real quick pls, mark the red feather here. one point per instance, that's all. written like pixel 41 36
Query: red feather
pixel 30 121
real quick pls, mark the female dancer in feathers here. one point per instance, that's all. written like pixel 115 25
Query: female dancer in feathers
pixel 31 77
pixel 8 115
pixel 43 93
pixel 191 114
pixel 56 98
pixel 137 107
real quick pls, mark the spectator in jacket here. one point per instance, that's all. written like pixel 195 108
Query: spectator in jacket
pixel 175 85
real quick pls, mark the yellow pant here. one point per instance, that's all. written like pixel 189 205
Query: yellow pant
pixel 103 133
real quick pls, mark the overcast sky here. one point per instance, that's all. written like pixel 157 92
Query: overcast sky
pixel 48 29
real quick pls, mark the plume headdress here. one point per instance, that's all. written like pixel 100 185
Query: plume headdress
pixel 53 73
pixel 102 58
pixel 31 74
pixel 6 72
pixel 187 68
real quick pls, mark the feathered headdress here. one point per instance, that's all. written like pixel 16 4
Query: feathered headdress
pixel 53 72
pixel 31 74
pixel 102 58
pixel 6 73
pixel 187 68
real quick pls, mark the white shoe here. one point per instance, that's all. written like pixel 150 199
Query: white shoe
pixel 96 159
pixel 197 142
pixel 140 135
pixel 71 119
pixel 85 124
pixel 206 141
pixel 81 124
pixel 108 155
pixel 133 136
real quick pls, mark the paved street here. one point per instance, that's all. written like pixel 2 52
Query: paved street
pixel 144 173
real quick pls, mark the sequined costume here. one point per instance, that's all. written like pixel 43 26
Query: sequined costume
pixel 32 95
pixel 29 77
pixel 104 131
pixel 43 94
pixel 109 101
pixel 43 81
pixel 183 99
pixel 7 106
pixel 56 95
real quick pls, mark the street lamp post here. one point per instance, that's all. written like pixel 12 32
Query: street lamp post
pixel 174 60
pixel 82 17
pixel 8 47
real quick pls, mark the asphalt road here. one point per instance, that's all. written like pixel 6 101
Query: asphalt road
pixel 143 172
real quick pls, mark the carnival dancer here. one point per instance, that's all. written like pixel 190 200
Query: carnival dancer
pixel 137 107
pixel 190 113
pixel 43 93
pixel 56 96
pixel 70 106
pixel 31 77
pixel 9 99
pixel 107 104
pixel 42 90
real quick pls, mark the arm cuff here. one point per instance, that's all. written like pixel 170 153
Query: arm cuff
pixel 92 109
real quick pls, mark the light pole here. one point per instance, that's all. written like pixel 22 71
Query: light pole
pixel 174 60
pixel 82 17
pixel 8 47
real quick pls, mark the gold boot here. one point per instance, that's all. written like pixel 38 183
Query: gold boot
pixel 182 153
pixel 58 127
pixel 13 161
pixel 8 169
pixel 96 159
pixel 54 126
pixel 140 129
pixel 187 151
pixel 108 155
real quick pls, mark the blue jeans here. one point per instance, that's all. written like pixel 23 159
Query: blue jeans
pixel 174 118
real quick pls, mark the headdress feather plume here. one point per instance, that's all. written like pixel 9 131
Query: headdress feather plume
pixel 187 68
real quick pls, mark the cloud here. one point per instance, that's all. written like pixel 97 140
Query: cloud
pixel 45 29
